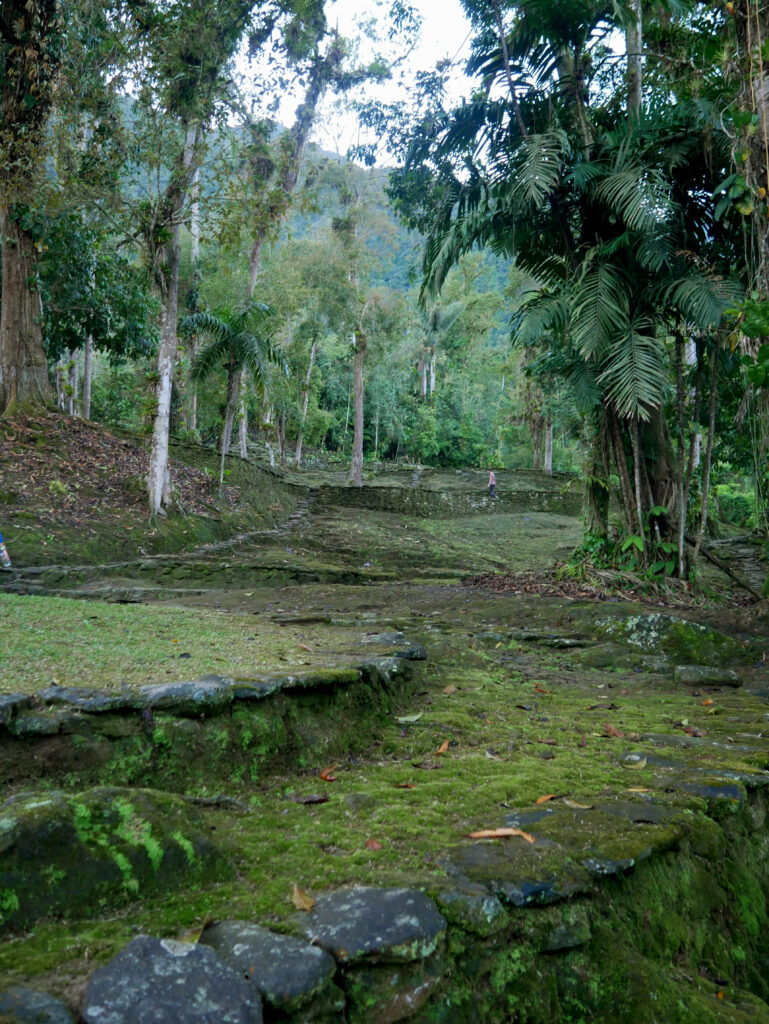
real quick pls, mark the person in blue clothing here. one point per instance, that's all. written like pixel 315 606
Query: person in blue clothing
pixel 5 560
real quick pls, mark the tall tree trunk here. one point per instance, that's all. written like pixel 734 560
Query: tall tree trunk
pixel 233 380
pixel 423 374
pixel 596 499
pixel 433 364
pixel 549 447
pixel 680 471
pixel 305 403
pixel 620 461
pixel 535 427
pixel 23 365
pixel 356 470
pixel 61 372
pixel 637 458
pixel 71 382
pixel 707 461
pixel 87 377
pixel 242 416
pixel 634 43
pixel 158 477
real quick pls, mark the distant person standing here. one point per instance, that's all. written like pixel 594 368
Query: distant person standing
pixel 492 484
pixel 5 559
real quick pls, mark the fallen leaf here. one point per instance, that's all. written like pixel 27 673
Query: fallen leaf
pixel 707 702
pixel 502 833
pixel 634 736
pixel 409 719
pixel 306 647
pixel 550 743
pixel 524 707
pixel 452 689
pixel 638 789
pixel 403 785
pixel 301 899
pixel 580 807
pixel 544 799
pixel 373 844
pixel 327 775
pixel 311 798
pixel 425 765
pixel 541 689
pixel 609 730
pixel 692 730
pixel 443 747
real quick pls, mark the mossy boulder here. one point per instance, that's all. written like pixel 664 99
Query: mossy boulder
pixel 74 854
pixel 686 643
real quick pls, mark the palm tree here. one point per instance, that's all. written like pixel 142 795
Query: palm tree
pixel 237 342
pixel 605 208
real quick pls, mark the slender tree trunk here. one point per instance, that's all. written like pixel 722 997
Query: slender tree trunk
pixel 549 447
pixel 535 426
pixel 596 499
pixel 195 219
pixel 23 366
pixel 707 461
pixel 60 373
pixel 356 470
pixel 280 434
pixel 305 403
pixel 158 477
pixel 71 382
pixel 634 43
pixel 637 457
pixel 347 414
pixel 422 375
pixel 233 380
pixel 87 377
pixel 626 489
pixel 242 419
pixel 433 364
pixel 680 472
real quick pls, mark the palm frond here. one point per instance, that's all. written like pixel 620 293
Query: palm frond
pixel 599 307
pixel 702 299
pixel 538 168
pixel 539 316
pixel 213 357
pixel 633 375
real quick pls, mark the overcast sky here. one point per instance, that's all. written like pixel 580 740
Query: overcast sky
pixel 444 34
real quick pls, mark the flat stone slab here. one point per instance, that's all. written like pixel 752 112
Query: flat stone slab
pixel 84 699
pixel 706 675
pixel 288 972
pixel 11 704
pixel 162 981
pixel 22 1005
pixel 207 696
pixel 384 925
pixel 517 876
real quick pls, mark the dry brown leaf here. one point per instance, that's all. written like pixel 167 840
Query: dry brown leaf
pixel 452 689
pixel 707 702
pixel 544 799
pixel 301 899
pixel 403 785
pixel 327 773
pixel 609 730
pixel 306 647
pixel 550 743
pixel 373 844
pixel 579 807
pixel 541 689
pixel 443 747
pixel 502 833
pixel 583 741
pixel 638 789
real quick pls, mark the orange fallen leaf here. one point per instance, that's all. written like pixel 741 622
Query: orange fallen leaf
pixel 443 747
pixel 544 799
pixel 327 775
pixel 373 844
pixel 502 833
pixel 403 785
pixel 719 994
pixel 707 702
pixel 541 689
pixel 301 899
pixel 638 789
pixel 306 647
pixel 609 730
pixel 450 689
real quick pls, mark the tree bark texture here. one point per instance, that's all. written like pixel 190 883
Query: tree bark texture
pixel 549 447
pixel 23 365
pixel 87 378
pixel 356 470
pixel 305 403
